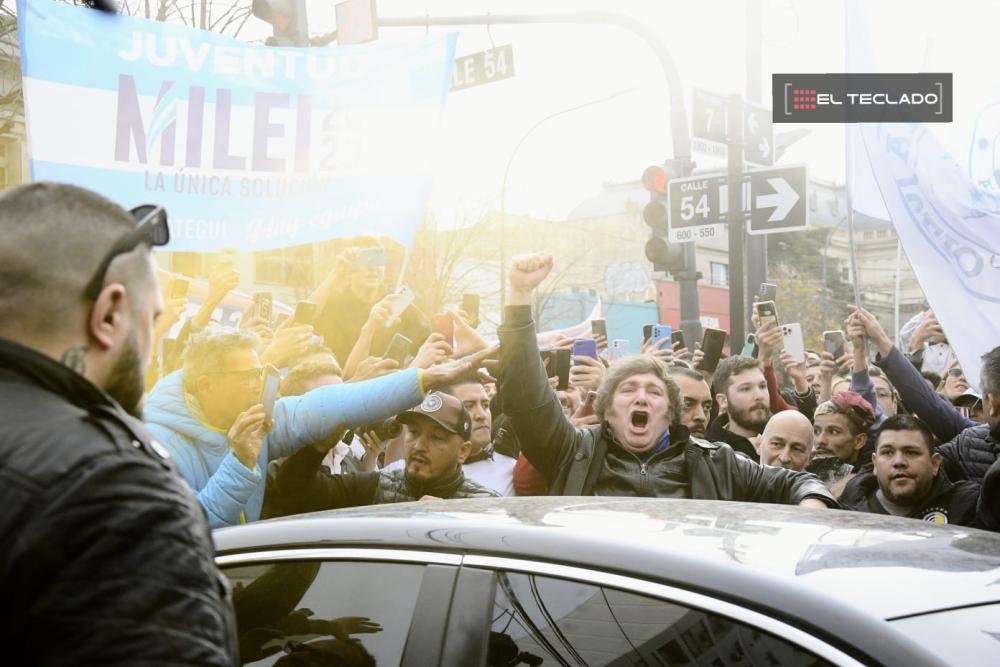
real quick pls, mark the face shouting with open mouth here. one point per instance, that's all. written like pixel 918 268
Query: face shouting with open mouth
pixel 639 412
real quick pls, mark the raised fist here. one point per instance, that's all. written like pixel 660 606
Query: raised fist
pixel 528 271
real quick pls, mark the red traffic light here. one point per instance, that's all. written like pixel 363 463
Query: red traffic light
pixel 654 179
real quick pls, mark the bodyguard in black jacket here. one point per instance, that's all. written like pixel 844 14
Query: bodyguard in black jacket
pixel 640 449
pixel 106 557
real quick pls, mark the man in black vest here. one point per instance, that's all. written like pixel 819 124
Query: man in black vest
pixel 108 558
pixel 436 440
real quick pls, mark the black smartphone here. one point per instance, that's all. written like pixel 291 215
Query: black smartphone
pixel 305 312
pixel 834 343
pixel 470 304
pixel 562 368
pixel 647 332
pixel 768 292
pixel 677 337
pixel 549 361
pixel 179 290
pixel 712 344
pixel 399 348
pixel 599 328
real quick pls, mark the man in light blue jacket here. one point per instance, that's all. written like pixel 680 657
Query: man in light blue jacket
pixel 209 417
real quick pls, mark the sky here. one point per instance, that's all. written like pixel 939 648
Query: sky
pixel 566 160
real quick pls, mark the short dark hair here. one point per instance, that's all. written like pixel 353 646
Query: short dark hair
pixel 686 371
pixel 908 423
pixel 991 372
pixel 729 367
pixel 54 235
pixel 299 376
pixel 621 370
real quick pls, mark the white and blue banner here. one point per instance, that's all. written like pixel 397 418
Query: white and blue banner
pixel 948 225
pixel 249 147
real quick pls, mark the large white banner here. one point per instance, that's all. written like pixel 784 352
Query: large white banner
pixel 950 230
pixel 247 146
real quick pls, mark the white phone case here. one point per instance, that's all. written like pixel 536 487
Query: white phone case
pixel 406 297
pixel 791 335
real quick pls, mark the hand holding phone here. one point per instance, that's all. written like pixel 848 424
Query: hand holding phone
pixel 659 332
pixel 599 328
pixel 404 297
pixel 712 343
pixel 445 325
pixel 399 349
pixel 834 342
pixel 617 349
pixel 584 347
pixel 263 303
pixel 562 368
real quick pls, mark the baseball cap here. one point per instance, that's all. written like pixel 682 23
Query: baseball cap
pixel 444 409
pixel 967 398
pixel 857 409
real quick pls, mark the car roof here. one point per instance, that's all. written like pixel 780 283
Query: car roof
pixel 750 553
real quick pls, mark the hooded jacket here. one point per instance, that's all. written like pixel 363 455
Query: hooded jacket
pixel 107 559
pixel 946 502
pixel 581 462
pixel 230 492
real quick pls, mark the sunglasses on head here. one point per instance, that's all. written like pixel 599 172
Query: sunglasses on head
pixel 151 227
pixel 956 372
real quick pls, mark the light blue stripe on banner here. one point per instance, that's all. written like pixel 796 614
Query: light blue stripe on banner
pixel 390 206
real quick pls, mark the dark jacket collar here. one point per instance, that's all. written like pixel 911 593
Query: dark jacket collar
pixel 45 372
pixel 442 488
pixel 486 454
pixel 862 489
pixel 718 432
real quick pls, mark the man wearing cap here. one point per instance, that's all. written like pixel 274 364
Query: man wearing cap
pixel 436 438
pixel 841 427
pixel 908 480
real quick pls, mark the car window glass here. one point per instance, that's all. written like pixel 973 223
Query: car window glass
pixel 310 612
pixel 541 620
pixel 968 636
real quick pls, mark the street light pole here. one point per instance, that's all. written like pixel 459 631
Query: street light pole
pixel 506 173
pixel 826 245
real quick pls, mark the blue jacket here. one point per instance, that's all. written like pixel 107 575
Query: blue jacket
pixel 224 486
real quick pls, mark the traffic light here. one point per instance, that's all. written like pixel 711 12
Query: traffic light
pixel 287 17
pixel 665 256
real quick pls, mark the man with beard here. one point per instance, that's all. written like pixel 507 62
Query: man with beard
pixel 108 559
pixel 908 479
pixel 696 400
pixel 741 391
pixel 639 447
pixel 969 448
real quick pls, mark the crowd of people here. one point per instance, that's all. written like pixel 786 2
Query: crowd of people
pixel 100 414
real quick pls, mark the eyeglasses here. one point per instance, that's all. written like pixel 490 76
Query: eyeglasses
pixel 151 228
pixel 250 376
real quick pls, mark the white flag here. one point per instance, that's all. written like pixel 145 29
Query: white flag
pixel 950 230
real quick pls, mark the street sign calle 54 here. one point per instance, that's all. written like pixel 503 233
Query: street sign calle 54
pixel 698 205
pixel 476 69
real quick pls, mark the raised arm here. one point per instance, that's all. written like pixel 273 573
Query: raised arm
pixel 546 436
pixel 940 415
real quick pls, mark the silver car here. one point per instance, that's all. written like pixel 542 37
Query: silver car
pixel 592 581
